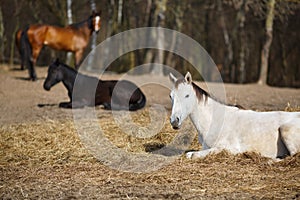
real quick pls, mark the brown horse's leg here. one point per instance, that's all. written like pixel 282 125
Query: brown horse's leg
pixel 78 56
pixel 36 52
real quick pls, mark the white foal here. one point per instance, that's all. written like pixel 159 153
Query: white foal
pixel 223 127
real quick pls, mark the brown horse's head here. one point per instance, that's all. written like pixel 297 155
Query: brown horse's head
pixel 95 21
pixel 54 75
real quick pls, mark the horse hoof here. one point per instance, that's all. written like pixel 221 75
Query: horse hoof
pixel 107 106
pixel 65 105
pixel 33 78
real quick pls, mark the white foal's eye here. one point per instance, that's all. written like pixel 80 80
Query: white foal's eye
pixel 186 96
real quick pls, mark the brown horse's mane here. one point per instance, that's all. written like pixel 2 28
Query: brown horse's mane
pixel 82 23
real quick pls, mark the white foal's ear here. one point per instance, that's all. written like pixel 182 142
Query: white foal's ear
pixel 188 78
pixel 173 79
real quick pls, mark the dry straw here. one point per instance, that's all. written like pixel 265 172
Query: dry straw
pixel 47 160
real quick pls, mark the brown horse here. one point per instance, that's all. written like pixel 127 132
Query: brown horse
pixel 73 38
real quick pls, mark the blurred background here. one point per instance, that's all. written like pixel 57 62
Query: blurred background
pixel 249 40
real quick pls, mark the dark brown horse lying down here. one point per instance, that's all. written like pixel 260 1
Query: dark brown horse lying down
pixel 91 91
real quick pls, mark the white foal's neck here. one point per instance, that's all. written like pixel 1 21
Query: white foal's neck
pixel 207 112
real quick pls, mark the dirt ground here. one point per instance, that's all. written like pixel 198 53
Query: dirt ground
pixel 42 155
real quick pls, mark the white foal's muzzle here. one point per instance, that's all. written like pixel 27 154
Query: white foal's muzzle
pixel 175 122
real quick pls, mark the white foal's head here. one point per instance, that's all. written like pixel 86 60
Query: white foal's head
pixel 184 99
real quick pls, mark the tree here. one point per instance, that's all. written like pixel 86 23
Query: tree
pixel 70 21
pixel 2 40
pixel 18 9
pixel 159 19
pixel 120 11
pixel 178 11
pixel 241 18
pixel 229 30
pixel 228 42
pixel 235 56
pixel 266 47
pixel 93 39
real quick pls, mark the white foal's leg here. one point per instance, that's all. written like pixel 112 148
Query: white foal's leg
pixel 290 134
pixel 201 154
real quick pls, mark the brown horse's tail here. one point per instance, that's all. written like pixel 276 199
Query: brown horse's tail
pixel 139 104
pixel 26 53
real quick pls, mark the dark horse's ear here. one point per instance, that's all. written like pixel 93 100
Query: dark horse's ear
pixel 56 61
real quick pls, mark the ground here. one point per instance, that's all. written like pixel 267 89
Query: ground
pixel 43 154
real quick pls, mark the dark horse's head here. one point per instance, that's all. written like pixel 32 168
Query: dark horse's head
pixel 54 76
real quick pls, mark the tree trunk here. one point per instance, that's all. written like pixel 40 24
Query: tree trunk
pixel 2 40
pixel 35 10
pixel 19 6
pixel 111 13
pixel 13 43
pixel 208 16
pixel 237 67
pixel 114 18
pixel 159 19
pixel 179 11
pixel 148 53
pixel 266 48
pixel 228 42
pixel 93 40
pixel 242 42
pixel 287 74
pixel 55 5
pixel 151 13
pixel 141 54
pixel 120 11
pixel 70 56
